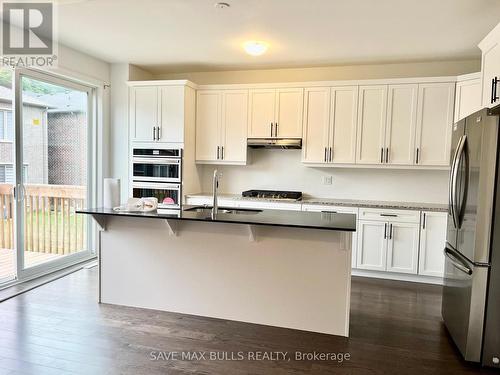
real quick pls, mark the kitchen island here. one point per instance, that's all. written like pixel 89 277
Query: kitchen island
pixel 279 268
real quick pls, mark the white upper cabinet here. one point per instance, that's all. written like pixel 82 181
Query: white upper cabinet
pixel 343 120
pixel 432 241
pixel 401 121
pixel 490 68
pixel 221 126
pixel 330 125
pixel 144 116
pixel 316 124
pixel 171 122
pixel 467 96
pixel 234 126
pixel 157 113
pixel 372 111
pixel 289 109
pixel 208 123
pixel 275 113
pixel 262 108
pixel 434 123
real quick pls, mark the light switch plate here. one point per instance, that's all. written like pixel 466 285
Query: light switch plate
pixel 327 180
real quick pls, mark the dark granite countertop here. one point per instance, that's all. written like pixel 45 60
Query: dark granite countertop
pixel 298 219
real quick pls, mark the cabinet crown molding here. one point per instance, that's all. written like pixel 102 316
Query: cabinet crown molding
pixel 278 85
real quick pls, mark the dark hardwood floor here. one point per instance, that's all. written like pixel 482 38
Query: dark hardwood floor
pixel 60 329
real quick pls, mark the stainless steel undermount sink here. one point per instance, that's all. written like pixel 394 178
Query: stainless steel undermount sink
pixel 224 210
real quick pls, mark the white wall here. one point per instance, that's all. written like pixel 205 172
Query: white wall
pixel 119 133
pixel 282 170
pixel 326 73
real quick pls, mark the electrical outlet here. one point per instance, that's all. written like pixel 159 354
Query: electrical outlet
pixel 327 180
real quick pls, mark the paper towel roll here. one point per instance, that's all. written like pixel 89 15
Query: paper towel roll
pixel 111 192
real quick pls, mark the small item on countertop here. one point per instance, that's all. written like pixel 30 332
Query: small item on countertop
pixel 139 205
pixel 168 200
pixel 111 192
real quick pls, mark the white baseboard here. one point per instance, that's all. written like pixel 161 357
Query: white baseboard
pixel 397 276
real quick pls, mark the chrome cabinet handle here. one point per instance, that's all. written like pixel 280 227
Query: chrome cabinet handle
pixel 330 159
pixel 272 129
pixel 423 221
pixel 418 156
pixel 158 133
pixel 325 153
pixel 385 231
pixel 382 155
pixel 218 148
pixel 387 155
pixel 389 215
pixel 390 231
pixel 222 152
pixel 154 133
pixel 494 85
pixel 276 129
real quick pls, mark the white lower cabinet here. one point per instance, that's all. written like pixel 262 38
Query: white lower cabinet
pixel 432 240
pixel 372 245
pixel 402 247
pixel 388 240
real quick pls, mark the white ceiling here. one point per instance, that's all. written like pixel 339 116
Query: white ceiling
pixel 192 35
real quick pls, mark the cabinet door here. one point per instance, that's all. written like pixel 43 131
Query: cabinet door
pixel 372 245
pixel 144 106
pixel 234 126
pixel 372 109
pixel 467 98
pixel 400 128
pixel 172 114
pixel 316 124
pixel 432 240
pixel 289 110
pixel 262 108
pixel 402 249
pixel 490 71
pixel 434 123
pixel 208 123
pixel 344 110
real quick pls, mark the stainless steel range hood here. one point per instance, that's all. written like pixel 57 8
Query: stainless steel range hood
pixel 283 143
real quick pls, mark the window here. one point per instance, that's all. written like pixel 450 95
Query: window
pixel 6 126
pixel 7 173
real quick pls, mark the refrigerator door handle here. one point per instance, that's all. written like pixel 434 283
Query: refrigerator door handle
pixel 454 181
pixel 463 204
pixel 457 262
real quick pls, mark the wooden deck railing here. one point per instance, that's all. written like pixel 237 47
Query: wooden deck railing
pixel 50 222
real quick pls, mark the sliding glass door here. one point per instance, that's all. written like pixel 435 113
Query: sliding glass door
pixel 8 270
pixel 53 171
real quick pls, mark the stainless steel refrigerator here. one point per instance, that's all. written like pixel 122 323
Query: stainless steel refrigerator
pixel 471 292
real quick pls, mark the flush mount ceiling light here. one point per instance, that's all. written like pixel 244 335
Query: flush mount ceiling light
pixel 221 5
pixel 255 47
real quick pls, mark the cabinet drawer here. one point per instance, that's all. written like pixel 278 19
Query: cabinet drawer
pixel 270 205
pixel 328 208
pixel 401 216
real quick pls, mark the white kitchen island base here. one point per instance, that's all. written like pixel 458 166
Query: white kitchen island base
pixel 281 276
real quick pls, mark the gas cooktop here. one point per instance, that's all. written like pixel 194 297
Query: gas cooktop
pixel 273 194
